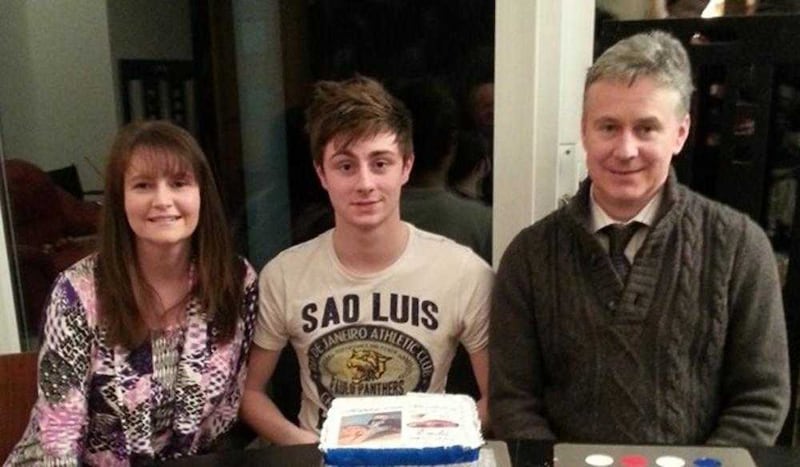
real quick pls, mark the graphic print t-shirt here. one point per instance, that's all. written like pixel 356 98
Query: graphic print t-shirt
pixel 384 334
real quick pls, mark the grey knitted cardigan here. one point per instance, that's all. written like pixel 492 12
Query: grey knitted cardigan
pixel 691 350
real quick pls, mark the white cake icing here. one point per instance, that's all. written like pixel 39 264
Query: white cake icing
pixel 415 429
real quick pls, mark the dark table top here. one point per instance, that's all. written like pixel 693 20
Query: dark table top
pixel 523 453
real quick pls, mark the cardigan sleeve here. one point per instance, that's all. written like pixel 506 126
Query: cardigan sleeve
pixel 755 381
pixel 57 427
pixel 516 375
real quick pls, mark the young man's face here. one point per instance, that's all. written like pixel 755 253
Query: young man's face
pixel 630 134
pixel 364 180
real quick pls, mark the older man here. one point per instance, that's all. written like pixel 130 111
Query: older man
pixel 640 312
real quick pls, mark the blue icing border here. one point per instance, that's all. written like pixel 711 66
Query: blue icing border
pixel 400 456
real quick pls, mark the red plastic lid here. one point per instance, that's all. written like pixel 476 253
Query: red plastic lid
pixel 633 460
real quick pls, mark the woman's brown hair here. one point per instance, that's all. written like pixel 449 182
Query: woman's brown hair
pixel 219 275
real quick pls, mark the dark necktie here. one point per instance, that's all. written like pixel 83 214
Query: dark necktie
pixel 618 238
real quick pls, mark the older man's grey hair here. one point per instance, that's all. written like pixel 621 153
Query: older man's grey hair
pixel 656 54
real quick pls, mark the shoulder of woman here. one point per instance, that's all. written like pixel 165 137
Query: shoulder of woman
pixel 250 274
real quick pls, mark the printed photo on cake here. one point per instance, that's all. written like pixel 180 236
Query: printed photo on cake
pixel 431 419
pixel 376 427
pixel 432 423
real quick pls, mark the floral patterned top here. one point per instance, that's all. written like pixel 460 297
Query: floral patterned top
pixel 172 396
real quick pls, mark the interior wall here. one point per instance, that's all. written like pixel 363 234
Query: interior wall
pixel 57 99
pixel 58 95
pixel 150 29
pixel 16 87
pixel 147 30
pixel 538 97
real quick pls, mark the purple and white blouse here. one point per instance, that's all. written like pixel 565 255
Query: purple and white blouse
pixel 172 396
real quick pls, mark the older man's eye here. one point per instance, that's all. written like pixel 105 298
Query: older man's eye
pixel 607 128
pixel 645 130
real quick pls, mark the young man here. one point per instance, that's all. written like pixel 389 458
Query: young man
pixel 373 306
pixel 676 336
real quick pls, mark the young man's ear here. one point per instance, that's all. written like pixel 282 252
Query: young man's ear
pixel 321 175
pixel 408 164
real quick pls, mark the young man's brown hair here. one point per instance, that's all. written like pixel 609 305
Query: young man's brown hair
pixel 352 110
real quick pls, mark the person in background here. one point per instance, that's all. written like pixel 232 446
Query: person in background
pixel 475 96
pixel 145 341
pixel 639 312
pixel 426 201
pixel 471 165
pixel 374 305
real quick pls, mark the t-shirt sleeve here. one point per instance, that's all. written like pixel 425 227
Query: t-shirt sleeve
pixel 477 280
pixel 271 332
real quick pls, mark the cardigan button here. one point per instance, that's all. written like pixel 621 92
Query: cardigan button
pixel 612 305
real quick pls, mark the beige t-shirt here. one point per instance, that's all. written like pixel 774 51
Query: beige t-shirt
pixel 387 333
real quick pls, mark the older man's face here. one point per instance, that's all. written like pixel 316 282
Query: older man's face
pixel 630 133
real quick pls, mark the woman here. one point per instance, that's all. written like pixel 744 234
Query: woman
pixel 146 341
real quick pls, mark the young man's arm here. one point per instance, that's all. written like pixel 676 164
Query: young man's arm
pixel 257 408
pixel 478 278
pixel 480 368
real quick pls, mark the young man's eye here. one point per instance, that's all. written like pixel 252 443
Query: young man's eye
pixel 381 164
pixel 345 167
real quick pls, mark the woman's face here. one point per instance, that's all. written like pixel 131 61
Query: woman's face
pixel 162 204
